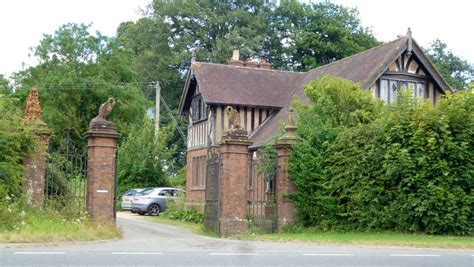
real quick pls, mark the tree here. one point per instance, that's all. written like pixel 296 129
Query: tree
pixel 457 71
pixel 292 36
pixel 163 40
pixel 78 71
pixel 16 142
pixel 306 36
pixel 4 85
pixel 144 157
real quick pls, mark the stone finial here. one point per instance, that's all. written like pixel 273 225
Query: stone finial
pixel 410 42
pixel 193 56
pixel 33 114
pixel 290 130
pixel 33 107
pixel 291 120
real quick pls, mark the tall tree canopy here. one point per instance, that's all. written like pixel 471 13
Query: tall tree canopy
pixel 78 71
pixel 306 36
pixel 292 36
pixel 457 71
pixel 4 85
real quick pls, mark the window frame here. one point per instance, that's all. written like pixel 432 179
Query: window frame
pixel 199 110
pixel 399 79
pixel 199 172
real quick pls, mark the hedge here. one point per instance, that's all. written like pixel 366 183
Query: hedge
pixel 363 165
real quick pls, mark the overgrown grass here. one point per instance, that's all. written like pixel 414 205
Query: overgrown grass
pixel 368 238
pixel 40 225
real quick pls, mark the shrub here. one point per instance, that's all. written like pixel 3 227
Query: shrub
pixel 16 143
pixel 176 211
pixel 186 216
pixel 406 167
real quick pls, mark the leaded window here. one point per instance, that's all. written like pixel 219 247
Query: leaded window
pixel 198 109
pixel 389 89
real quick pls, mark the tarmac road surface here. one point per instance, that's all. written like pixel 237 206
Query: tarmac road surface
pixel 152 244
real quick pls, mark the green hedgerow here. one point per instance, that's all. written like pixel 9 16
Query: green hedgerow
pixel 408 166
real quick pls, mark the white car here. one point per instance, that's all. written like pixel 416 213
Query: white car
pixel 127 198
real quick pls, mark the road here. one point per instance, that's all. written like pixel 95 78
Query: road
pixel 151 244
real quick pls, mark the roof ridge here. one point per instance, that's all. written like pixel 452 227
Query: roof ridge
pixel 354 55
pixel 243 67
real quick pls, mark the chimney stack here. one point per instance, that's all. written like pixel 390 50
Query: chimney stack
pixel 235 61
pixel 251 63
pixel 263 64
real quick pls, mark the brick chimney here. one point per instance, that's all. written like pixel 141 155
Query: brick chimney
pixel 263 64
pixel 235 61
pixel 251 63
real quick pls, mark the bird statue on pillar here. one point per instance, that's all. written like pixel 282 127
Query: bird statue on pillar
pixel 234 130
pixel 233 117
pixel 104 110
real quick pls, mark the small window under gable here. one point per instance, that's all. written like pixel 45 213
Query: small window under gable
pixel 198 108
pixel 389 88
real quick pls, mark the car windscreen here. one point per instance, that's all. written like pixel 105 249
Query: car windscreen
pixel 145 192
pixel 130 193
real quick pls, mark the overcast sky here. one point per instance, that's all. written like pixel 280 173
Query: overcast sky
pixel 23 22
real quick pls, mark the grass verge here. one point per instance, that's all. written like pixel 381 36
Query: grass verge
pixel 368 238
pixel 347 238
pixel 41 227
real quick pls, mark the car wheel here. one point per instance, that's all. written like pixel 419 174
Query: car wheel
pixel 154 210
pixel 141 212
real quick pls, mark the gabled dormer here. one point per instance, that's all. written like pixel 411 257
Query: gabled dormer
pixel 410 70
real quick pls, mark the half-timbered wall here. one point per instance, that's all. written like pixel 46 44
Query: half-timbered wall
pixel 250 118
pixel 210 131
pixel 405 72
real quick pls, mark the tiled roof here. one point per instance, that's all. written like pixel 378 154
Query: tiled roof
pixel 236 85
pixel 363 68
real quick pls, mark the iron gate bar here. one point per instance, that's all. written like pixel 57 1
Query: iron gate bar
pixel 212 194
pixel 261 210
pixel 65 176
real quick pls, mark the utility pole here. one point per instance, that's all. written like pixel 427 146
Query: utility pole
pixel 157 107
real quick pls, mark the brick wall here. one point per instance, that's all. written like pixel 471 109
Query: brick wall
pixel 35 170
pixel 233 186
pixel 195 194
pixel 101 176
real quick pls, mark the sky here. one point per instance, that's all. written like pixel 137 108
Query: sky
pixel 23 22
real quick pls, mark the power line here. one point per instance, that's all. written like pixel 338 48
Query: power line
pixel 173 118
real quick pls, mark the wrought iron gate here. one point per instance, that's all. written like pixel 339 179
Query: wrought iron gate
pixel 211 208
pixel 66 177
pixel 261 202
